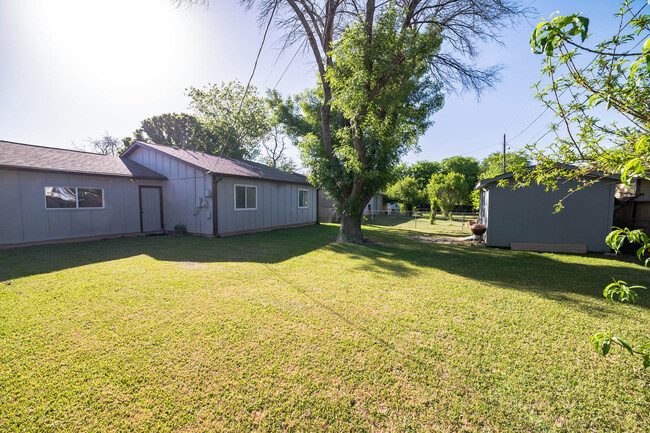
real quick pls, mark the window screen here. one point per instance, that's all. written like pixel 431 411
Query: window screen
pixel 60 197
pixel 240 197
pixel 245 197
pixel 303 198
pixel 251 197
pixel 90 197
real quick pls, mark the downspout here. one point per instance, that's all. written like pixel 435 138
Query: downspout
pixel 215 217
pixel 317 206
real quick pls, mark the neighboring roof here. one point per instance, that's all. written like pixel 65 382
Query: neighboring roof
pixel 483 183
pixel 221 165
pixel 21 156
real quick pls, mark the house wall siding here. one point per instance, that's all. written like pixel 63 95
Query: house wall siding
pixel 277 205
pixel 527 215
pixel 184 187
pixel 24 218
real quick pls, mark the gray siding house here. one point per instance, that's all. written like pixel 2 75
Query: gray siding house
pixel 53 194
pixel 524 218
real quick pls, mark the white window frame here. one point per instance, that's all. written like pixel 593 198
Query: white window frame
pixel 303 207
pixel 76 194
pixel 234 190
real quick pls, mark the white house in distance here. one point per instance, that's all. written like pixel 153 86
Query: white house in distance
pixel 51 194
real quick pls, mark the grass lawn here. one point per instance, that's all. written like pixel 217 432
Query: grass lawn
pixel 287 330
pixel 454 227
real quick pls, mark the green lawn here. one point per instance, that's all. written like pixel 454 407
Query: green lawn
pixel 288 331
pixel 454 227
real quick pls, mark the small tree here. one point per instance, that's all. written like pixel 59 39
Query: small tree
pixel 434 208
pixel 448 190
pixel 106 145
pixel 406 191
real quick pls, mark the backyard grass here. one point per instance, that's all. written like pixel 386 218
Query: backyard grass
pixel 288 331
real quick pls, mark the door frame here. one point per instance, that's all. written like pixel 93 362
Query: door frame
pixel 162 215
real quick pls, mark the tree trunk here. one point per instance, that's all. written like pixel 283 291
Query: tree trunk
pixel 350 231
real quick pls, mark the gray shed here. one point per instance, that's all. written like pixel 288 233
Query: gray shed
pixel 524 218
pixel 51 194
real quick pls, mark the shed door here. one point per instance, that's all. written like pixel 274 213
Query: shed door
pixel 151 216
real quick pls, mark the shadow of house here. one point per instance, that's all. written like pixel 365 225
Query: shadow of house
pixel 267 247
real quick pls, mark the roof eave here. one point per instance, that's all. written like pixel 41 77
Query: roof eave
pixel 81 173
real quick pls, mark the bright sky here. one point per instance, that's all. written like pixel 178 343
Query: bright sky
pixel 74 69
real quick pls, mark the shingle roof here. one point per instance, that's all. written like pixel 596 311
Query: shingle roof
pixel 29 157
pixel 221 165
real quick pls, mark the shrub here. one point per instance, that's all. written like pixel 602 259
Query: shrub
pixel 180 229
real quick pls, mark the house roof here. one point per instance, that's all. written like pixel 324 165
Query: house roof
pixel 483 183
pixel 221 165
pixel 21 156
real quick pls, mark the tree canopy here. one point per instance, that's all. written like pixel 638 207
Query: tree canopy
pixel 406 191
pixel 235 118
pixel 492 165
pixel 180 130
pixel 447 190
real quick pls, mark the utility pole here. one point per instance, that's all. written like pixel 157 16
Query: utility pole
pixel 504 153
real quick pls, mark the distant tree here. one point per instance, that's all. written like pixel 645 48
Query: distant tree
pixel 448 190
pixel 422 171
pixel 106 145
pixel 406 191
pixel 469 168
pixel 180 130
pixel 492 165
pixel 236 119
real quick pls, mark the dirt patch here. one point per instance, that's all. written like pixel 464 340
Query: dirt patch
pixel 444 240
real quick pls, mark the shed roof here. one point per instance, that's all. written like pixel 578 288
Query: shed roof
pixel 21 156
pixel 483 183
pixel 221 165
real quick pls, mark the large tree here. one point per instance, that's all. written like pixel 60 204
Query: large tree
pixel 180 130
pixel 236 117
pixel 599 94
pixel 381 66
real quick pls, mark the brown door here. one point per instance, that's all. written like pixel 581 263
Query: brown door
pixel 151 211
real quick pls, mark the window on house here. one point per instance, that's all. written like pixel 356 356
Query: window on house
pixel 62 197
pixel 303 198
pixel 245 197
pixel 90 197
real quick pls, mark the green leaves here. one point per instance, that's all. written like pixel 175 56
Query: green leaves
pixel 622 290
pixel 549 35
pixel 616 239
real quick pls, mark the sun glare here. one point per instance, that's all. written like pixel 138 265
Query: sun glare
pixel 109 48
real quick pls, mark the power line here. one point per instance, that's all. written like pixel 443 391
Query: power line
pixel 248 84
pixel 287 68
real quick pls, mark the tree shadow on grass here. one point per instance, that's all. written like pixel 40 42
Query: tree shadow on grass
pixel 394 252
pixel 387 252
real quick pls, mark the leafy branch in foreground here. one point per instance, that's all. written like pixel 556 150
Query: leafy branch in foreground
pixel 603 120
